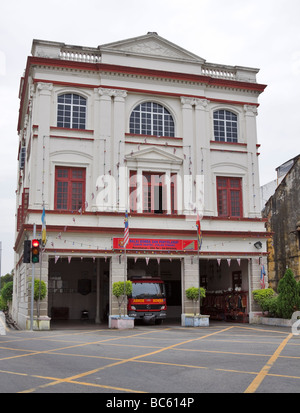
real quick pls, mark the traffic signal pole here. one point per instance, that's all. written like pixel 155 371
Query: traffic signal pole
pixel 32 285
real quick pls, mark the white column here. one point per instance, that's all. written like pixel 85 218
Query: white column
pixel 202 152
pixel 118 154
pixel 190 278
pixel 253 170
pixel 106 144
pixel 187 133
pixel 39 187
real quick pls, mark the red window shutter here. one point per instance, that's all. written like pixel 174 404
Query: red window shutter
pixel 69 188
pixel 229 197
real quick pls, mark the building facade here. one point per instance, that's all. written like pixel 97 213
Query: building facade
pixel 282 211
pixel 145 126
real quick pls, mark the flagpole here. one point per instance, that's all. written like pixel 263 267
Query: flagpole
pixel 125 241
pixel 199 282
pixel 199 242
pixel 125 276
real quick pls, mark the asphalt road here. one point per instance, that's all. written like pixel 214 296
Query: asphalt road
pixel 165 365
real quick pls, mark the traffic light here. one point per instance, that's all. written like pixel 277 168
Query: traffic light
pixel 27 251
pixel 35 251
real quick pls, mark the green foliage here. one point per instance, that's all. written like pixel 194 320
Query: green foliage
pixel 118 292
pixel 288 295
pixel 286 302
pixel 118 288
pixel 192 293
pixel 264 298
pixel 271 306
pixel 7 291
pixel 39 292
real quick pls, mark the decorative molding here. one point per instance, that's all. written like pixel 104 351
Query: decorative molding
pixel 42 86
pixel 187 102
pixel 117 93
pixel 250 110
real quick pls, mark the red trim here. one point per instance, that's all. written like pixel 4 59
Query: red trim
pixel 32 60
pixel 72 129
pixel 152 136
pixel 149 231
pixel 154 144
pixel 229 143
pixel 81 251
pixel 72 137
pixel 105 67
pixel 139 231
pixel 226 150
pixel 137 214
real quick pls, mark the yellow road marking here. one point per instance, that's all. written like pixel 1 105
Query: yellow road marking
pixel 87 373
pixel 32 352
pixel 266 368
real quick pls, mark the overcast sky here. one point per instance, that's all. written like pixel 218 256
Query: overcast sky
pixel 264 34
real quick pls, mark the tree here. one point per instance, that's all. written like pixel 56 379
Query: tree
pixel 288 300
pixel 121 293
pixel 192 293
pixel 40 292
pixel 6 294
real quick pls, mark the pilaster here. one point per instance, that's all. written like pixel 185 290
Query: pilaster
pixel 40 151
pixel 253 169
pixel 190 278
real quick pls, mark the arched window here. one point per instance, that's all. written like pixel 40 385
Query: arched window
pixel 150 118
pixel 225 126
pixel 71 111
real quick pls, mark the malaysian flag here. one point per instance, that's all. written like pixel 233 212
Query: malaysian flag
pixel 199 233
pixel 126 230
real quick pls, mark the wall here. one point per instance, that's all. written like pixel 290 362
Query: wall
pixel 283 213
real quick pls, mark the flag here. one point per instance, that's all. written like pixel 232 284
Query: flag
pixel 44 239
pixel 199 233
pixel 126 230
pixel 262 276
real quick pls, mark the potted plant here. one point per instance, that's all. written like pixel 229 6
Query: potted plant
pixel 40 292
pixel 195 320
pixel 121 290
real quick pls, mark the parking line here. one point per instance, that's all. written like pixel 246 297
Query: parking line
pixel 74 379
pixel 266 368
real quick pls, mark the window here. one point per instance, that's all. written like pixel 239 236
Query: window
pixel 225 126
pixel 69 188
pixel 229 196
pixel 71 111
pixel 150 118
pixel 153 193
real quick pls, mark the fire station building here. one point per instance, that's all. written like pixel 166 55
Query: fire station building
pixel 146 126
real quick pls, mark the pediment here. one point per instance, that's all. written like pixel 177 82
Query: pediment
pixel 153 156
pixel 151 45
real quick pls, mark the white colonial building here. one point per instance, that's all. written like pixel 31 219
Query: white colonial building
pixel 144 125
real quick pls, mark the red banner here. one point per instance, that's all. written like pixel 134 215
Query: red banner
pixel 156 244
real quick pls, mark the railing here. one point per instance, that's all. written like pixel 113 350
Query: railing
pixel 80 56
pixel 219 72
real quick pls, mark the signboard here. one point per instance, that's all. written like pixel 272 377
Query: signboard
pixel 156 244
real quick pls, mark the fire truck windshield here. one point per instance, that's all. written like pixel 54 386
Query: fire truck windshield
pixel 148 290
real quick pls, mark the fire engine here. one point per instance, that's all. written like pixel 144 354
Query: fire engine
pixel 148 299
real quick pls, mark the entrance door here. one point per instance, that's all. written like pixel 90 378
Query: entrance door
pixel 73 285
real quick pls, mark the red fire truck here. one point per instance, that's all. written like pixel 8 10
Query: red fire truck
pixel 148 299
